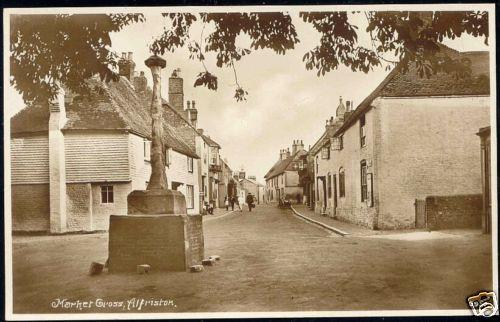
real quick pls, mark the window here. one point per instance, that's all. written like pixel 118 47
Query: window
pixel 317 164
pixel 107 194
pixel 337 143
pixel 167 157
pixel 341 182
pixel 189 196
pixel 190 164
pixel 329 186
pixel 364 186
pixel 147 150
pixel 362 130
pixel 213 155
pixel 325 153
pixel 301 165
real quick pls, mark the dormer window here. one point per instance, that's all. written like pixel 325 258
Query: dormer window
pixel 362 130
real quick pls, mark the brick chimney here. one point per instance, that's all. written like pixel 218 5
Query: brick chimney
pixel 282 154
pixel 57 164
pixel 176 91
pixel 140 83
pixel 192 113
pixel 126 66
pixel 297 146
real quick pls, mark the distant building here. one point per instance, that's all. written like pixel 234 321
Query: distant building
pixel 324 179
pixel 224 178
pixel 409 139
pixel 282 180
pixel 253 187
pixel 74 162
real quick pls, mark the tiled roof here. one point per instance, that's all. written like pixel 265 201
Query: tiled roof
pixel 409 84
pixel 443 84
pixel 253 181
pixel 283 165
pixel 210 141
pixel 110 106
pixel 324 139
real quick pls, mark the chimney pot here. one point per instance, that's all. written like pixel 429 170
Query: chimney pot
pixel 142 73
pixel 124 55
pixel 193 103
pixel 188 105
pixel 130 55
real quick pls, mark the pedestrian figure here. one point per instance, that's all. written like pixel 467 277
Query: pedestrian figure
pixel 241 201
pixel 226 203
pixel 250 202
pixel 209 208
pixel 232 203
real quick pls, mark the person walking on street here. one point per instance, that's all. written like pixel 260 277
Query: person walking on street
pixel 232 203
pixel 226 203
pixel 241 201
pixel 250 202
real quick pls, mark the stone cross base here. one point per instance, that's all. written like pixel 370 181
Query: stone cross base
pixel 156 232
pixel 165 242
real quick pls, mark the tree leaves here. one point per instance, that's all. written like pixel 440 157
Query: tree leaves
pixel 68 49
pixel 174 37
pixel 240 94
pixel 206 79
pixel 71 48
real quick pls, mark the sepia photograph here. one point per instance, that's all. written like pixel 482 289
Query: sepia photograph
pixel 250 161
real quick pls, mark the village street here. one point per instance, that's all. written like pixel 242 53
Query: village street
pixel 270 261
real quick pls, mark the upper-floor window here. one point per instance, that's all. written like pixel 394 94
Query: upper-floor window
pixel 364 185
pixel 325 153
pixel 147 150
pixel 107 195
pixel 190 164
pixel 362 130
pixel 337 143
pixel 341 182
pixel 213 155
pixel 189 197
pixel 167 157
pixel 317 164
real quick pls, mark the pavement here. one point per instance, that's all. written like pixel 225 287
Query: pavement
pixel 339 226
pixel 270 261
pixel 217 213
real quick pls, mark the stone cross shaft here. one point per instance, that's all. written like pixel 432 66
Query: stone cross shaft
pixel 158 179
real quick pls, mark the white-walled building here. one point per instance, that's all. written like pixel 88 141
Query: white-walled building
pixel 411 138
pixel 75 162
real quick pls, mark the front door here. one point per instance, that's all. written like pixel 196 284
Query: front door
pixel 420 220
pixel 334 181
pixel 324 195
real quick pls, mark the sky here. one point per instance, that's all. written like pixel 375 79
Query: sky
pixel 285 102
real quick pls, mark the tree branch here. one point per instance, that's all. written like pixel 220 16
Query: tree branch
pixel 375 47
